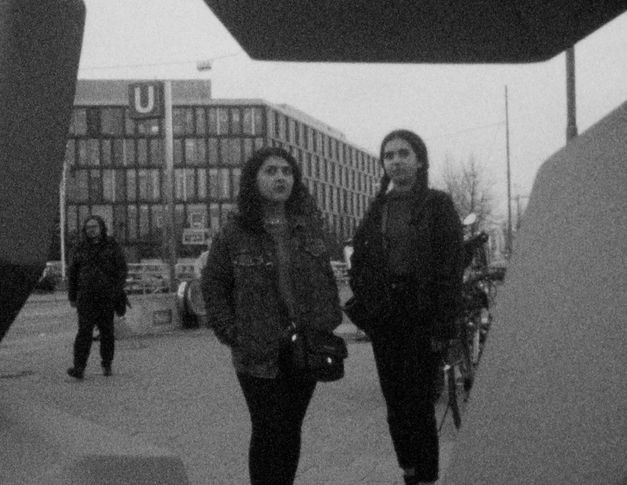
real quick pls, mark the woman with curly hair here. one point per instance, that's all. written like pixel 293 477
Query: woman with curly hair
pixel 268 267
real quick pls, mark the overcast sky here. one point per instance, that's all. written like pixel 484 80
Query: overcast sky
pixel 458 109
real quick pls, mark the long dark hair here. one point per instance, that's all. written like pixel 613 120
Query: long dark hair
pixel 249 200
pixel 103 229
pixel 419 148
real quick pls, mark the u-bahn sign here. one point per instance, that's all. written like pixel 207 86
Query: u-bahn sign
pixel 145 100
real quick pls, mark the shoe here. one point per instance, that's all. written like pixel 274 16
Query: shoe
pixel 75 372
pixel 106 370
pixel 411 480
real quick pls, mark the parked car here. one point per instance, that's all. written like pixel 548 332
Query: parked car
pixel 49 279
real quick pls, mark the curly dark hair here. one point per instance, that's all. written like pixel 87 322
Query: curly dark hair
pixel 419 148
pixel 250 201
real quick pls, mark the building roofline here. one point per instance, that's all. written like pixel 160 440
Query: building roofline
pixel 114 92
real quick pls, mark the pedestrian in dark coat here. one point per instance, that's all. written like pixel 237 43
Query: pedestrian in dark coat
pixel 268 266
pixel 406 278
pixel 96 279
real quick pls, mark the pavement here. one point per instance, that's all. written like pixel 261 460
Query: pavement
pixel 177 390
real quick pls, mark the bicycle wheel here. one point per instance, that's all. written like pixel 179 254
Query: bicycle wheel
pixel 450 386
pixel 491 291
pixel 466 351
pixel 453 395
pixel 485 320
pixel 474 339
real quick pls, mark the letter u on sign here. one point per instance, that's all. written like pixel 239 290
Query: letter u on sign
pixel 145 100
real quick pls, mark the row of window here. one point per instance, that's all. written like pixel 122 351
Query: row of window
pixel 144 152
pixel 200 152
pixel 315 167
pixel 105 122
pixel 115 121
pixel 342 226
pixel 336 200
pixel 147 185
pixel 302 135
pixel 144 222
pixel 217 184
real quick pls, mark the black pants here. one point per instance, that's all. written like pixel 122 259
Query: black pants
pixel 90 315
pixel 277 409
pixel 407 369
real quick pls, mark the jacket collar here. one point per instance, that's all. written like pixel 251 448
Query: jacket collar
pixel 297 221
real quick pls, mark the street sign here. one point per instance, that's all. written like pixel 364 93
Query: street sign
pixel 197 220
pixel 193 236
pixel 145 100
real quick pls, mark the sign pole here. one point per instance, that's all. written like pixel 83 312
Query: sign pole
pixel 153 100
pixel 509 180
pixel 571 110
pixel 168 143
pixel 62 204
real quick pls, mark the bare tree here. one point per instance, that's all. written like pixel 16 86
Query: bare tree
pixel 468 185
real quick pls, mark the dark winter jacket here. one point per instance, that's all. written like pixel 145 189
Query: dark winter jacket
pixel 97 272
pixel 244 305
pixel 433 295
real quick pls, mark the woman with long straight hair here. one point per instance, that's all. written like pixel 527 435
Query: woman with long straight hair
pixel 406 279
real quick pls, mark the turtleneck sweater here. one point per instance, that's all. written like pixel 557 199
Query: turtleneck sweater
pixel 397 233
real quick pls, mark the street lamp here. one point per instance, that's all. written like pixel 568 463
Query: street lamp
pixel 509 180
pixel 571 111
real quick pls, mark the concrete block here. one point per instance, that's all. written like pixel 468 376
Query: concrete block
pixel 43 445
pixel 149 314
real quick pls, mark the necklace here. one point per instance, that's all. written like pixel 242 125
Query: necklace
pixel 274 220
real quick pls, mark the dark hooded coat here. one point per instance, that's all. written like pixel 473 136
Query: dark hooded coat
pixel 97 272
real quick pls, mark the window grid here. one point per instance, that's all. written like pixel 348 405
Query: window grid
pixel 116 165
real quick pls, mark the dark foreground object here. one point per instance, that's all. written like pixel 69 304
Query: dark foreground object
pixel 40 44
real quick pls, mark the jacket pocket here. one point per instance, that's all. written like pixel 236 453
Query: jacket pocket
pixel 249 269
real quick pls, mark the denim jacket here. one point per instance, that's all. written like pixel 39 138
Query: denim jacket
pixel 244 305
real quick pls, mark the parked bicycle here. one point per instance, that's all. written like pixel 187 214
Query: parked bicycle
pixel 478 292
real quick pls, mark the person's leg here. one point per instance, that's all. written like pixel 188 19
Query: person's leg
pixel 297 398
pixel 277 408
pixel 404 365
pixel 388 356
pixel 422 366
pixel 82 342
pixel 107 338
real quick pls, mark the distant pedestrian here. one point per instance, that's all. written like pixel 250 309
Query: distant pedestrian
pixel 96 278
pixel 406 278
pixel 268 266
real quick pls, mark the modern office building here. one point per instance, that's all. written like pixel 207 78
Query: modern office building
pixel 115 164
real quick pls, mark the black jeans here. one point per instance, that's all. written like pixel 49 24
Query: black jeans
pixel 407 370
pixel 277 409
pixel 90 315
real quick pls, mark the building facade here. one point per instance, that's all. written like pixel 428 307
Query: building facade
pixel 115 164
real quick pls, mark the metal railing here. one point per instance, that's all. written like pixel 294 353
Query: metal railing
pixel 153 277
pixel 340 270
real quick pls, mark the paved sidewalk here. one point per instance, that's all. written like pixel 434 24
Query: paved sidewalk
pixel 178 391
